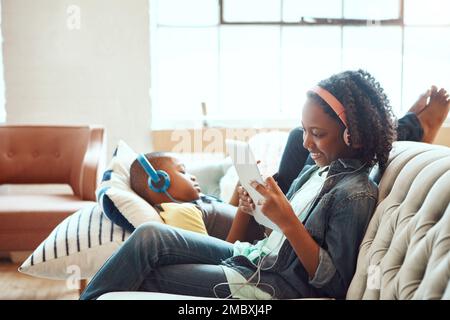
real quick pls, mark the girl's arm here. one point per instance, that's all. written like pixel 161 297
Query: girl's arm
pixel 278 209
pixel 305 247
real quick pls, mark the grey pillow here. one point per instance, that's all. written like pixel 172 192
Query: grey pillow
pixel 208 174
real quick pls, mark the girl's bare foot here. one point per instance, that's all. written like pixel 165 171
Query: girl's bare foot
pixel 421 103
pixel 434 114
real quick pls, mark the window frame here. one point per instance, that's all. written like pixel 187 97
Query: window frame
pixel 309 22
pixel 318 21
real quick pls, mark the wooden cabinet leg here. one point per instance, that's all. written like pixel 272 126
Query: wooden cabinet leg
pixel 83 284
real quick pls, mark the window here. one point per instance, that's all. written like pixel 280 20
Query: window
pixel 251 61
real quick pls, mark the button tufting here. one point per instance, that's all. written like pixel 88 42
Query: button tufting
pixel 35 154
pixel 10 154
pixel 57 154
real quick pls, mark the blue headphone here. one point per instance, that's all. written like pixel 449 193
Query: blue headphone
pixel 158 180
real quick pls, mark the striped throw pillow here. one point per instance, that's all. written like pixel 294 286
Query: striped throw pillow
pixel 78 246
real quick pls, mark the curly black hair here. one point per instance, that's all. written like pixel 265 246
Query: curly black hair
pixel 371 122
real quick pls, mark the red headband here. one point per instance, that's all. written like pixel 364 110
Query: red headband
pixel 331 100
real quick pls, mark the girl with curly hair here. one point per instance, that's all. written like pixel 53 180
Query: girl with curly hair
pixel 348 127
pixel 369 121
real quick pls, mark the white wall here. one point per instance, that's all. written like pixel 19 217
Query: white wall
pixel 2 83
pixel 98 74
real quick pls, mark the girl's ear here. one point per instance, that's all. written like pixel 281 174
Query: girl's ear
pixel 346 137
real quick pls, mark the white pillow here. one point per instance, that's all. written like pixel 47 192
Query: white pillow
pixel 78 246
pixel 268 147
pixel 115 196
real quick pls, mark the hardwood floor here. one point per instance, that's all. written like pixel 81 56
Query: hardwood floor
pixel 17 286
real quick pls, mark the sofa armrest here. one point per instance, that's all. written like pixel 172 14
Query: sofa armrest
pixel 93 163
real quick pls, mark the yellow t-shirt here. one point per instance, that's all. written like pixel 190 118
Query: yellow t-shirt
pixel 183 215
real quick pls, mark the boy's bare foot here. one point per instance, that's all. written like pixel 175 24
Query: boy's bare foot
pixel 434 114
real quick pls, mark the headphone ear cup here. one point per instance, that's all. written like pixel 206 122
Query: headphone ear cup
pixel 346 137
pixel 162 185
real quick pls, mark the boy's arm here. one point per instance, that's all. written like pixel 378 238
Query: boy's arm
pixel 239 228
pixel 234 201
pixel 244 227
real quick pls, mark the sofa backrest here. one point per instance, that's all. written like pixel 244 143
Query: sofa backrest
pixel 52 154
pixel 405 253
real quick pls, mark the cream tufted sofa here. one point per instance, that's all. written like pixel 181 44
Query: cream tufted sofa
pixel 405 253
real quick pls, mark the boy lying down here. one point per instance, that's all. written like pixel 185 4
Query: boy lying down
pixel 192 210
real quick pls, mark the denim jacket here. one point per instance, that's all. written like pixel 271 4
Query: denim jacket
pixel 337 221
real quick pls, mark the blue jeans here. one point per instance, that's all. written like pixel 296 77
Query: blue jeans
pixel 160 258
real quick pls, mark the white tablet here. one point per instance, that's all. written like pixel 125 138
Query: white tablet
pixel 248 171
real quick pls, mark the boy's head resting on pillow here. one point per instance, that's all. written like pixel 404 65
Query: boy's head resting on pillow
pixel 183 186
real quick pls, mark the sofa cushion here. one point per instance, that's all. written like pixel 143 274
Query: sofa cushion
pixel 31 218
pixel 405 253
pixel 48 203
pixel 207 168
